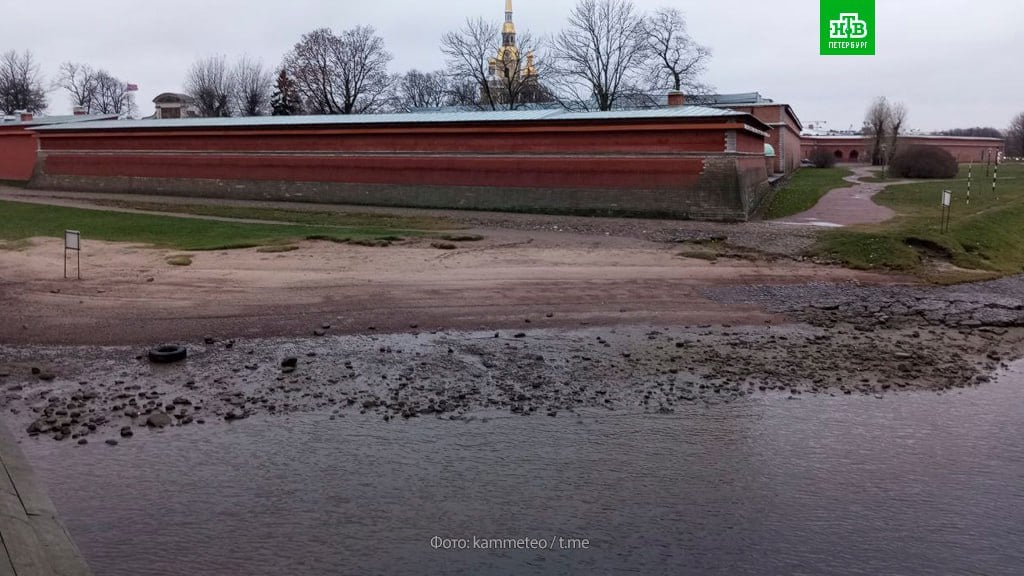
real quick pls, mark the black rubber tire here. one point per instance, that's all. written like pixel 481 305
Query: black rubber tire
pixel 168 354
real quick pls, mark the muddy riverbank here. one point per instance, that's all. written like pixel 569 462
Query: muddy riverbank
pixel 112 394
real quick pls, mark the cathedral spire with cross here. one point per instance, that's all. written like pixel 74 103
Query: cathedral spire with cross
pixel 508 31
pixel 508 60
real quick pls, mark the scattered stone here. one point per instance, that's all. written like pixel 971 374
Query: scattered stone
pixel 158 420
pixel 111 442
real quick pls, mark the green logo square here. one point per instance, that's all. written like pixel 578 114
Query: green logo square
pixel 848 27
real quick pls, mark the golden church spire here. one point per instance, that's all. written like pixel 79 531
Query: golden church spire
pixel 508 31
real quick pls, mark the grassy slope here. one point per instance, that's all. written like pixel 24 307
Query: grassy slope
pixel 804 190
pixel 22 220
pixel 986 235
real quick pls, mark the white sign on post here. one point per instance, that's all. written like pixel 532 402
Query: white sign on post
pixel 72 239
pixel 947 198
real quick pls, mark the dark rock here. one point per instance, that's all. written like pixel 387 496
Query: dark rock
pixel 126 432
pixel 290 362
pixel 158 420
pixel 111 442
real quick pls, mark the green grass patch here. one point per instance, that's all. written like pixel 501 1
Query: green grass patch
pixel 20 221
pixel 804 190
pixel 461 237
pixel 309 217
pixel 180 260
pixel 277 248
pixel 985 236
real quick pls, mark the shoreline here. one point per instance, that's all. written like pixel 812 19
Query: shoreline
pixel 114 393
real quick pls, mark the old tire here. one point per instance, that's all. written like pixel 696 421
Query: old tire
pixel 167 354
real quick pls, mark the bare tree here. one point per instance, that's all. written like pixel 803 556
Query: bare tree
pixel 81 83
pixel 418 89
pixel 21 83
pixel 677 60
pixel 885 123
pixel 310 65
pixel 467 52
pixel 876 125
pixel 897 123
pixel 211 84
pixel 503 77
pixel 362 62
pixel 112 96
pixel 253 84
pixel 601 55
pixel 1015 137
pixel 341 74
pixel 464 93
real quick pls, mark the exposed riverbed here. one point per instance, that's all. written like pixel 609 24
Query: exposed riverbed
pixel 915 483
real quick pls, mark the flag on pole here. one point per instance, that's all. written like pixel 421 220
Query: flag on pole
pixel 133 88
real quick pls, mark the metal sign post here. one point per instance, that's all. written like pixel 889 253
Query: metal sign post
pixel 947 205
pixel 73 242
pixel 970 174
pixel 995 178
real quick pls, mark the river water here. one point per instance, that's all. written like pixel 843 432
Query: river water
pixel 916 483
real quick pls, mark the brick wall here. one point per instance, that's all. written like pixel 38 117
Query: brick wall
pixel 17 153
pixel 666 169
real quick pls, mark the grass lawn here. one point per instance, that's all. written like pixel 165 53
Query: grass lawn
pixel 19 221
pixel 986 236
pixel 804 190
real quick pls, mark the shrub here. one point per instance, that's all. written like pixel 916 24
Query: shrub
pixel 923 162
pixel 822 158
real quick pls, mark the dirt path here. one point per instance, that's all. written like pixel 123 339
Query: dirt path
pixel 847 206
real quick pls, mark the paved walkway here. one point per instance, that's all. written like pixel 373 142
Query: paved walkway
pixel 847 206
pixel 35 542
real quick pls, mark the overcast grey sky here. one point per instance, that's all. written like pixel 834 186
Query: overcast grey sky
pixel 955 63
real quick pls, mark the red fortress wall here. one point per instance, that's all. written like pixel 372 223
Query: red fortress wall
pixel 17 153
pixel 857 149
pixel 658 164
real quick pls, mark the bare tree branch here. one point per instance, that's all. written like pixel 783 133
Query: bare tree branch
pixel 467 52
pixel 112 96
pixel 21 83
pixel 677 60
pixel 418 89
pixel 211 85
pixel 341 74
pixel 601 55
pixel 876 125
pixel 253 83
pixel 81 83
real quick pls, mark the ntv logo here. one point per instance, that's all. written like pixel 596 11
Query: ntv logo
pixel 848 26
